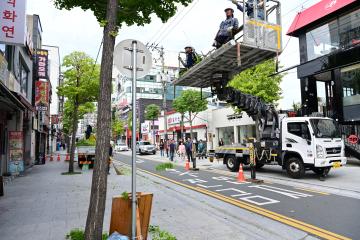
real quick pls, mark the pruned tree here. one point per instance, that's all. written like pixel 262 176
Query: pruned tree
pixel 112 14
pixel 152 112
pixel 81 86
pixel 190 102
pixel 260 81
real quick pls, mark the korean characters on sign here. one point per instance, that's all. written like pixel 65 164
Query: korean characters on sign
pixel 42 59
pixel 12 23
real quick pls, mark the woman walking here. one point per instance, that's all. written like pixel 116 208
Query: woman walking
pixel 161 146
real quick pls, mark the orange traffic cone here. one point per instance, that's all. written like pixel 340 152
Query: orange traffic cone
pixel 51 158
pixel 58 157
pixel 187 166
pixel 241 177
pixel 67 158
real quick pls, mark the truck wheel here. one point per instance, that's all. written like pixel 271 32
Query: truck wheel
pixel 295 167
pixel 232 164
pixel 321 171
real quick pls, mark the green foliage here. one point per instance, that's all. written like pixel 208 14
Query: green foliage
pixel 158 234
pixel 85 108
pixel 258 81
pixel 130 12
pixel 125 195
pixel 190 101
pixel 86 142
pixel 117 127
pixel 164 166
pixel 79 234
pixel 152 112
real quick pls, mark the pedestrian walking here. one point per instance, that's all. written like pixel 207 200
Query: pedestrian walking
pixel 166 147
pixel 201 149
pixel 189 150
pixel 182 151
pixel 172 148
pixel 161 146
pixel 110 156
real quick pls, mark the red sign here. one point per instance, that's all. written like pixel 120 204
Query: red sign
pixel 41 93
pixel 315 13
pixel 353 139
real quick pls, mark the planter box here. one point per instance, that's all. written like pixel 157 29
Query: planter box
pixel 121 215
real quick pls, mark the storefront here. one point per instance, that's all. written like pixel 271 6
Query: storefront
pixel 329 39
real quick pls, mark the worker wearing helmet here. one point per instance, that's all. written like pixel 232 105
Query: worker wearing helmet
pixel 249 8
pixel 227 29
pixel 190 57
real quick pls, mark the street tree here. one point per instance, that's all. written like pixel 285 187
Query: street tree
pixel 260 81
pixel 81 86
pixel 112 14
pixel 189 104
pixel 152 112
pixel 118 128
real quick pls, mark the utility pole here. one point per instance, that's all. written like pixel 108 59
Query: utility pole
pixel 164 85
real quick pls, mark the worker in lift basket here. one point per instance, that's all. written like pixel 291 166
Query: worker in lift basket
pixel 190 57
pixel 249 8
pixel 227 30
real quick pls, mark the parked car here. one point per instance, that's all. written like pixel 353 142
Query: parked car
pixel 145 147
pixel 121 147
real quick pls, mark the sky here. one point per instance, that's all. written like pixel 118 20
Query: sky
pixel 195 25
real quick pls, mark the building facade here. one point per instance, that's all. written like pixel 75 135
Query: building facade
pixel 329 39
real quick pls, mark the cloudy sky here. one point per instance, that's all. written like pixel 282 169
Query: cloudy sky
pixel 195 25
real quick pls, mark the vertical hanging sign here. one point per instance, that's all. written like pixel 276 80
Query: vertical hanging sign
pixel 42 62
pixel 12 22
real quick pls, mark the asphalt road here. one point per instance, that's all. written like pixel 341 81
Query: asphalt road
pixel 321 214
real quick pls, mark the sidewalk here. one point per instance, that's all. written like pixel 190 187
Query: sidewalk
pixel 342 181
pixel 45 205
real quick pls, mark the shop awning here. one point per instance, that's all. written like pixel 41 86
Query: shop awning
pixel 316 12
pixel 7 97
pixel 25 103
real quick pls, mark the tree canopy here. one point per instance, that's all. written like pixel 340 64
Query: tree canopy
pixel 152 112
pixel 118 127
pixel 129 12
pixel 260 81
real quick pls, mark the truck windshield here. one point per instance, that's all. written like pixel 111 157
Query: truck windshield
pixel 325 128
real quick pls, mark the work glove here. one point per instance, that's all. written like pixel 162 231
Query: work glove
pixel 229 29
pixel 234 1
pixel 215 43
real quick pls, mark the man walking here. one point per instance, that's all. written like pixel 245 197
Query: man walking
pixel 172 148
pixel 188 148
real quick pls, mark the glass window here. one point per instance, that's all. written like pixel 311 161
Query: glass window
pixel 299 129
pixel 325 128
pixel 349 29
pixel 322 40
pixel 24 75
pixel 350 77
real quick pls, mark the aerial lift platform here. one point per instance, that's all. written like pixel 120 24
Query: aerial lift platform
pixel 258 40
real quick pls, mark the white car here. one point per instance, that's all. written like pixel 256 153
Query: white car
pixel 121 148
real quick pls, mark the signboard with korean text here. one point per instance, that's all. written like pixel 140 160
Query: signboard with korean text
pixel 55 119
pixel 13 21
pixel 41 94
pixel 145 127
pixel 42 62
pixel 16 150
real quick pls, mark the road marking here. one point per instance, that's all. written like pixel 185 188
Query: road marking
pixel 316 231
pixel 313 191
pixel 285 192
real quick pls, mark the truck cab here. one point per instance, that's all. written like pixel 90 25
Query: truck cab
pixel 311 143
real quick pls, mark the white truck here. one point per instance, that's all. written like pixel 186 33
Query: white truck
pixel 86 155
pixel 304 143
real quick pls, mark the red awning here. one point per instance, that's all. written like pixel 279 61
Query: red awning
pixel 316 12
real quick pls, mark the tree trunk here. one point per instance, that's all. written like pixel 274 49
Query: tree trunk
pixel 191 130
pixel 182 126
pixel 95 218
pixel 67 140
pixel 73 138
pixel 153 131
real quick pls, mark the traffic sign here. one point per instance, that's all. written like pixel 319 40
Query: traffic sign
pixel 123 58
pixel 353 139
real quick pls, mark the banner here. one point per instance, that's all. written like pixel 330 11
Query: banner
pixel 41 95
pixel 42 64
pixel 16 150
pixel 13 21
